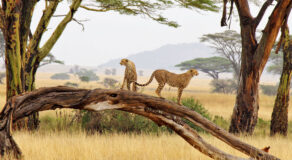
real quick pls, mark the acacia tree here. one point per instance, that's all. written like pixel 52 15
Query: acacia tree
pixel 279 122
pixel 212 66
pixel 228 45
pixel 23 52
pixel 254 57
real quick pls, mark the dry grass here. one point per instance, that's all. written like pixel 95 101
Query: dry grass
pixel 63 146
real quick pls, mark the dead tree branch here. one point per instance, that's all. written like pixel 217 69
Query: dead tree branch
pixel 161 111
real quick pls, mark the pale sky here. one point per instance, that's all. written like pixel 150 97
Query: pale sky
pixel 110 35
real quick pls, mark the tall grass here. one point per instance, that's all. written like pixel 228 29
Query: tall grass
pixel 80 146
pixel 59 139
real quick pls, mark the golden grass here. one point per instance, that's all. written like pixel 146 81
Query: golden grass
pixel 64 146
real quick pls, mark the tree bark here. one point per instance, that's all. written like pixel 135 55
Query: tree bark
pixel 159 110
pixel 23 55
pixel 279 122
pixel 254 57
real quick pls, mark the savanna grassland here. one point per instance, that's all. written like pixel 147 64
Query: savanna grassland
pixel 79 145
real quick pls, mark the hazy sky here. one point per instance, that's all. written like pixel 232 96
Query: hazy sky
pixel 110 35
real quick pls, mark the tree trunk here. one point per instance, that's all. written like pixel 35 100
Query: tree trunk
pixel 279 122
pixel 23 55
pixel 253 60
pixel 159 110
pixel 245 112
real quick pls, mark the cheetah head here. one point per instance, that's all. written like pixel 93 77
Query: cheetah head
pixel 193 72
pixel 124 61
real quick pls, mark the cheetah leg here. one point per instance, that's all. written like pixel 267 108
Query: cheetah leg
pixel 180 90
pixel 128 85
pixel 134 87
pixel 159 88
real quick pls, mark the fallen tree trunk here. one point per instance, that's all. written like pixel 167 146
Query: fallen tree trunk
pixel 159 110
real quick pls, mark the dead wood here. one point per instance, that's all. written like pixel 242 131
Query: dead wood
pixel 161 111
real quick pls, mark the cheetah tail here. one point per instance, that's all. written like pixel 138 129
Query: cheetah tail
pixel 150 80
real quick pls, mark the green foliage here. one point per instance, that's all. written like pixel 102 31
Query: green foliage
pixel 71 84
pixel 86 75
pixel 84 78
pixel 198 107
pixel 60 76
pixel 118 122
pixel 110 83
pixel 50 58
pixel 227 45
pixel 150 9
pixel 224 86
pixel 270 90
pixel 212 66
pixel 262 127
pixel 220 121
pixel 63 121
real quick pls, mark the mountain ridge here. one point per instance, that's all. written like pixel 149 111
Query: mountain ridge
pixel 164 57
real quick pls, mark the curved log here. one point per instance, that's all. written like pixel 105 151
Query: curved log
pixel 161 111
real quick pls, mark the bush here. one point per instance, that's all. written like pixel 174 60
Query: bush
pixel 224 86
pixel 221 122
pixel 63 121
pixel 87 75
pixel 198 107
pixel 60 76
pixel 269 90
pixel 110 83
pixel 71 84
pixel 84 78
pixel 118 121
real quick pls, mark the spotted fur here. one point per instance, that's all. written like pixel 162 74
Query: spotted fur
pixel 130 74
pixel 163 77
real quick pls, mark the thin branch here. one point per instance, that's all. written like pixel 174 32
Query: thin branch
pixel 261 13
pixel 95 10
pixel 75 20
pixel 44 51
pixel 42 26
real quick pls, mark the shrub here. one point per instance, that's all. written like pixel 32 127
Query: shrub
pixel 221 122
pixel 87 75
pixel 198 107
pixel 63 121
pixel 270 90
pixel 118 121
pixel 60 76
pixel 71 84
pixel 110 82
pixel 224 86
pixel 84 78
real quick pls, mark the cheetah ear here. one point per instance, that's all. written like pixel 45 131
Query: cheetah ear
pixel 126 60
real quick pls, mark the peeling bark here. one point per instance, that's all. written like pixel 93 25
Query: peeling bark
pixel 159 110
pixel 254 58
pixel 279 122
pixel 22 59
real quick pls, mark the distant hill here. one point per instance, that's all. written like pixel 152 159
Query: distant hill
pixel 165 57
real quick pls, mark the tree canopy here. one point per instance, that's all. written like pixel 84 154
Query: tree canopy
pixel 151 9
pixel 212 65
pixel 228 45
